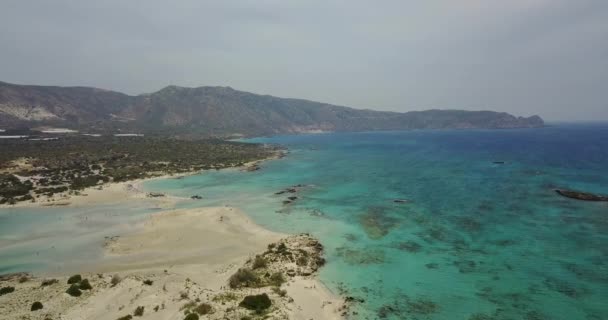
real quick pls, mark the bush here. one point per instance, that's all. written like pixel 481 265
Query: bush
pixel 259 262
pixel 75 279
pixel 85 285
pixel 203 308
pixel 116 279
pixel 277 279
pixel 139 311
pixel 243 278
pixel 6 290
pixel 48 282
pixel 257 302
pixel 278 291
pixel 191 316
pixel 148 282
pixel 74 291
pixel 188 305
pixel 36 306
pixel 302 261
pixel 127 317
pixel 24 279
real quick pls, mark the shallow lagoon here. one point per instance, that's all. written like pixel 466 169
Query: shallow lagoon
pixel 477 239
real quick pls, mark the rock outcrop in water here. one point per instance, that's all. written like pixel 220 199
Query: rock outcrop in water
pixel 581 195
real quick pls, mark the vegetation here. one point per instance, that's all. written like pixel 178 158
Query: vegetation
pixel 48 282
pixel 277 279
pixel 243 277
pixel 116 279
pixel 259 262
pixel 225 297
pixel 73 163
pixel 148 282
pixel 85 285
pixel 203 309
pixel 75 279
pixel 74 290
pixel 36 306
pixel 279 291
pixel 257 302
pixel 191 316
pixel 139 311
pixel 127 317
pixel 222 111
pixel 6 290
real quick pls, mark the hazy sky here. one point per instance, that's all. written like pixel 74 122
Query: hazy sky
pixel 547 57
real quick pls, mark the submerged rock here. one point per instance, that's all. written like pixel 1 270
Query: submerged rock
pixel 155 195
pixel 580 195
pixel 409 246
pixel 376 223
pixel 363 256
pixel 196 197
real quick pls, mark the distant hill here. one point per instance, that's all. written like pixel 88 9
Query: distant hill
pixel 218 111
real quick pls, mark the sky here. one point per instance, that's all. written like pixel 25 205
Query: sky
pixel 526 57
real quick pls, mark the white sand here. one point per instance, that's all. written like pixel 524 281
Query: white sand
pixel 188 254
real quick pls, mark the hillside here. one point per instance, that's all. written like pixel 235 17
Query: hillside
pixel 220 111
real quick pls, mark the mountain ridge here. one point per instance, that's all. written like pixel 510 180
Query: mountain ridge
pixel 219 111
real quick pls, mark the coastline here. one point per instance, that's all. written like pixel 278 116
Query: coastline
pixel 187 250
pixel 189 256
pixel 116 192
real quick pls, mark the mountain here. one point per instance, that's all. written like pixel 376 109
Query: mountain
pixel 219 111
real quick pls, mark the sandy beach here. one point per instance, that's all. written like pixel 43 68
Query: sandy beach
pixel 186 258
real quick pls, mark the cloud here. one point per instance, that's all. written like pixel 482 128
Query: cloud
pixel 522 56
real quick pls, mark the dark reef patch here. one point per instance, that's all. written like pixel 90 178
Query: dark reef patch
pixel 408 246
pixel 361 256
pixel 377 223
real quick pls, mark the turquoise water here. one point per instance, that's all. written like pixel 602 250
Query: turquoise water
pixel 476 239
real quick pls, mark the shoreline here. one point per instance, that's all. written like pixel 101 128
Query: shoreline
pixel 115 192
pixel 196 250
pixel 189 255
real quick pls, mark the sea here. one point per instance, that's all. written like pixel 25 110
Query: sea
pixel 446 224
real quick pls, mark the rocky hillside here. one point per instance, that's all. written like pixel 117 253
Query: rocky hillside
pixel 217 111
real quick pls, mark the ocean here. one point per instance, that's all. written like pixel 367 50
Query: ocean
pixel 480 233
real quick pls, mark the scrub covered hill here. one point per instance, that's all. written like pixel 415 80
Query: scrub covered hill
pixel 218 111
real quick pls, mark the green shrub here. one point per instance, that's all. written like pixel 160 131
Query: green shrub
pixel 85 285
pixel 191 316
pixel 203 308
pixel 188 305
pixel 277 279
pixel 257 302
pixel 278 291
pixel 36 306
pixel 24 279
pixel 6 290
pixel 224 297
pixel 75 279
pixel 302 261
pixel 127 317
pixel 48 282
pixel 259 262
pixel 74 291
pixel 116 279
pixel 243 278
pixel 148 282
pixel 139 311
